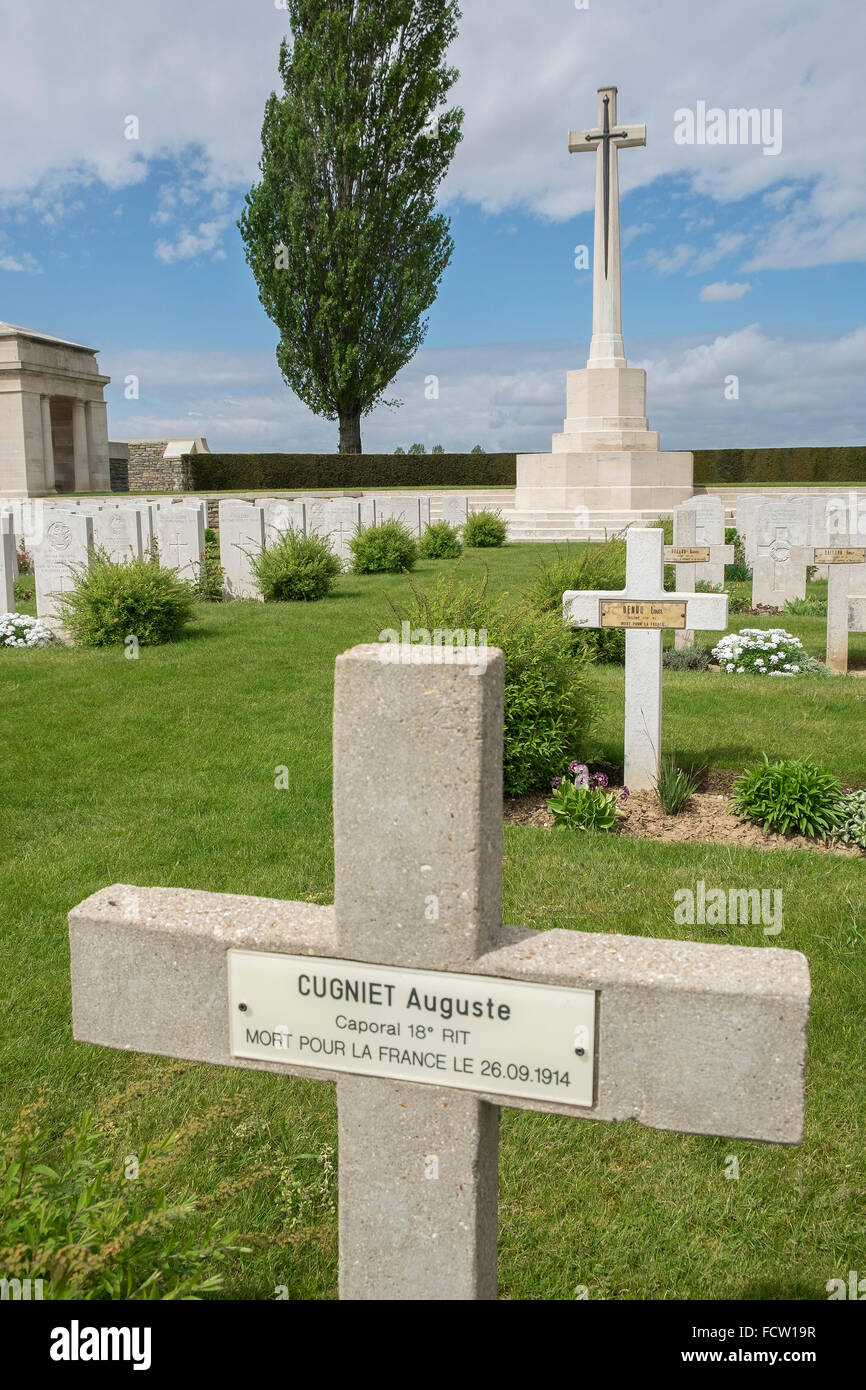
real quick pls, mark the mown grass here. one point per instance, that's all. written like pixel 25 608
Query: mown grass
pixel 162 771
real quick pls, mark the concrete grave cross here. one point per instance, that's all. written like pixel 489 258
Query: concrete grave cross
pixel 690 552
pixel 645 611
pixel 428 1012
pixel 846 580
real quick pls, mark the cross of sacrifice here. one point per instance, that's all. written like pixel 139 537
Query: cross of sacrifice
pixel 425 1009
pixel 645 611
pixel 846 570
pixel 607 348
pixel 686 555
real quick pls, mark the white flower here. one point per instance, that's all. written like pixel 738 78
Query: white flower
pixel 740 670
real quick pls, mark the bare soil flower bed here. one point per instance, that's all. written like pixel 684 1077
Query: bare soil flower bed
pixel 705 817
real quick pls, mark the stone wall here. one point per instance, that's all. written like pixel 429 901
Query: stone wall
pixel 147 471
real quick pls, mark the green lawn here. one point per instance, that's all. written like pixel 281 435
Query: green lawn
pixel 161 771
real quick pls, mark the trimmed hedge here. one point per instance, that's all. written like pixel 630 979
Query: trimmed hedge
pixel 303 472
pixel 812 465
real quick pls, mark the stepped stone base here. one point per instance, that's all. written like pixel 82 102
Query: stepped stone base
pixel 604 480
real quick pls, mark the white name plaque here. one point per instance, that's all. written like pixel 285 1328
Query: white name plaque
pixel 502 1037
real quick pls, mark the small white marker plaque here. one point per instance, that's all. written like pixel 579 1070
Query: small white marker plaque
pixel 472 1032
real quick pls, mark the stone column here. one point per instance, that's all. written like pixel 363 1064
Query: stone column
pixel 81 463
pixel 97 445
pixel 607 348
pixel 47 446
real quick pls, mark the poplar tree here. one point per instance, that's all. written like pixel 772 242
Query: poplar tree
pixel 340 232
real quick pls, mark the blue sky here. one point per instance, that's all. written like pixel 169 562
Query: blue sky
pixel 734 261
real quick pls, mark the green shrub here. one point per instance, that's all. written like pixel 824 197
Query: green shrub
pixel 667 525
pixel 440 542
pixel 70 1217
pixel 675 786
pixel 548 700
pixel 851 828
pixel 484 529
pixel 387 548
pixel 738 572
pixel 703 586
pixel 812 463
pixel 793 796
pixel 416 449
pixel 695 658
pixel 210 582
pixel 604 645
pixel 739 598
pixel 596 565
pixel 295 568
pixel 265 473
pixel 806 607
pixel 112 600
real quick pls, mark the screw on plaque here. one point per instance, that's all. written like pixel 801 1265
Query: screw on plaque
pixel 580 1051
pixel 243 1008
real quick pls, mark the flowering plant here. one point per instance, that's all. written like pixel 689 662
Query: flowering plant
pixel 20 630
pixel 581 801
pixel 760 652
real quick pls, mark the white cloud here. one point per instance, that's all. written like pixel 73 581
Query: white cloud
pixel 196 75
pixel 721 292
pixel 190 243
pixel 21 262
pixel 511 396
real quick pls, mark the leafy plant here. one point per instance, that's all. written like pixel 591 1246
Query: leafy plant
pixel 667 525
pixel 792 796
pixel 703 586
pixel 739 571
pixel 695 658
pixel 851 819
pixel 416 449
pixel 549 703
pixel 739 598
pixel 582 801
pixel 606 645
pixel 69 1217
pixel 596 565
pixel 112 600
pixel 25 559
pixel 440 541
pixel 210 581
pixel 387 548
pixel 484 529
pixel 676 785
pixel 806 607
pixel 295 568
pixel 760 652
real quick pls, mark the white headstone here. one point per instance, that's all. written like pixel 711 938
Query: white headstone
pixel 7 564
pixel 454 510
pixel 181 540
pixel 63 551
pixel 118 532
pixel 281 515
pixel 782 534
pixel 709 514
pixel 747 507
pixel 242 536
pixel 405 509
pixel 342 517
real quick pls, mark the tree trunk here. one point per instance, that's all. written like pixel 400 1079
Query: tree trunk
pixel 350 431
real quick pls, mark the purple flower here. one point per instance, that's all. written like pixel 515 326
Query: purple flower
pixel 580 772
pixel 600 779
pixel 557 782
pixel 624 794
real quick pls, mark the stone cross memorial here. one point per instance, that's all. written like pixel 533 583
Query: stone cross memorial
pixel 695 555
pixel 846 578
pixel 425 1009
pixel 180 531
pixel 645 611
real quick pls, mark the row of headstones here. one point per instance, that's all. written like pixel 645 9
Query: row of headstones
pixel 61 542
pixel 782 537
